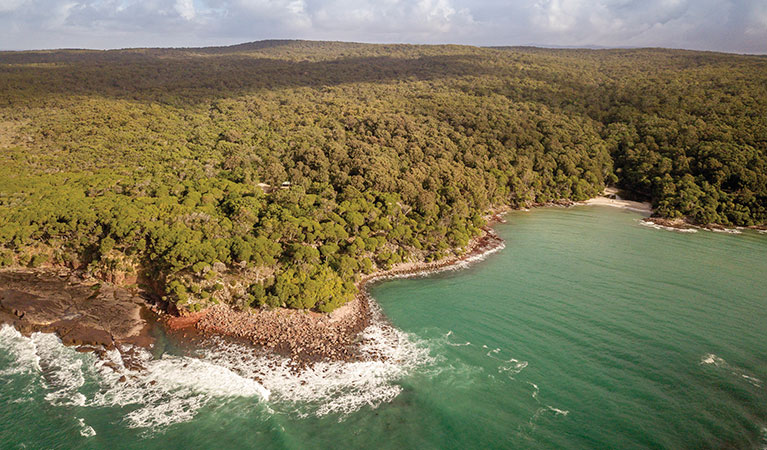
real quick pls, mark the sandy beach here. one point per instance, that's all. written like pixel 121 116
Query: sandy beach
pixel 611 198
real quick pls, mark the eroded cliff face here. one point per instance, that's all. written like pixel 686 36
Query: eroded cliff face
pixel 80 312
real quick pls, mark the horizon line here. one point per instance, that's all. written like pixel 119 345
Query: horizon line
pixel 592 47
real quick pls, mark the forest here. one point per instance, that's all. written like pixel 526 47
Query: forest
pixel 277 173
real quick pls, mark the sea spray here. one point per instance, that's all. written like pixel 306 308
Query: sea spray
pixel 387 354
pixel 21 350
pixel 167 390
pixel 172 388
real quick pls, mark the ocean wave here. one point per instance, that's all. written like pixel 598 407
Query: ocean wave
pixel 166 391
pixel 725 230
pixel 60 368
pixel 21 350
pixel 387 354
pixel 458 265
pixel 694 228
pixel 656 226
pixel 716 361
pixel 172 389
pixel 85 429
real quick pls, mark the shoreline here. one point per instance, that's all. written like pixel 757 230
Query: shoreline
pixel 84 313
pixel 630 205
pixel 682 225
pixel 58 301
pixel 96 316
pixel 611 198
pixel 308 337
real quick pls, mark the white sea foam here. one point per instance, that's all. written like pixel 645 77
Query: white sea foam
pixel 476 258
pixel 459 265
pixel 454 344
pixel 168 390
pixel 693 228
pixel 22 351
pixel 333 387
pixel 535 390
pixel 547 409
pixel 85 429
pixel 716 361
pixel 725 230
pixel 512 366
pixel 61 368
pixel 557 411
pixel 663 227
pixel 533 421
pixel 172 389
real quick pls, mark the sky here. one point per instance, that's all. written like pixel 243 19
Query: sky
pixel 738 26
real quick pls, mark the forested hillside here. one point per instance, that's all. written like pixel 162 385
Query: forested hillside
pixel 275 173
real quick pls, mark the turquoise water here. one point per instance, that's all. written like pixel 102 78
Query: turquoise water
pixel 588 330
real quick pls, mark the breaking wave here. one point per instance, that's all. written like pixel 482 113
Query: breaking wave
pixel 458 265
pixel 158 392
pixel 656 226
pixel 387 354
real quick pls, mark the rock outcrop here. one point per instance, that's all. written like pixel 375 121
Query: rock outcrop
pixel 80 312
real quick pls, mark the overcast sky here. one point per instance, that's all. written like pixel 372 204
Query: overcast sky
pixel 722 25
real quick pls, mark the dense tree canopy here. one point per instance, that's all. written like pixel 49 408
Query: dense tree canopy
pixel 276 173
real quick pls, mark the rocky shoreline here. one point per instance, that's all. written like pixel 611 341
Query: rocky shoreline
pixel 307 337
pixel 95 316
pixel 98 316
pixel 82 313
pixel 684 225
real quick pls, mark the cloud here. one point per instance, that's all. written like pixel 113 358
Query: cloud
pixel 430 17
pixel 185 8
pixel 726 25
pixel 10 5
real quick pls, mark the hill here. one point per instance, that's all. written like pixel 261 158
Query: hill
pixel 278 172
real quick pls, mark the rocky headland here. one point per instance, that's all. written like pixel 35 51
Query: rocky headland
pixel 81 312
pixel 306 336
pixel 97 315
